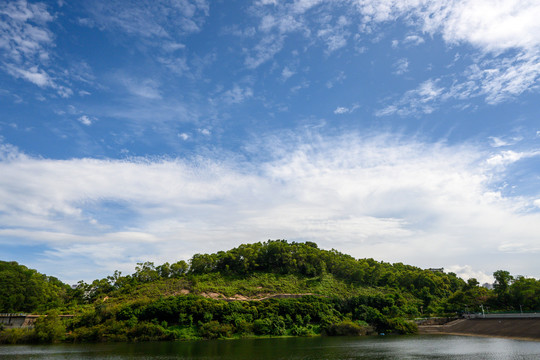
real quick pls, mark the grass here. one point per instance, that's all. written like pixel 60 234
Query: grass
pixel 254 286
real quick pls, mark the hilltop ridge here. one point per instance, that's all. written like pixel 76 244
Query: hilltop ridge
pixel 270 288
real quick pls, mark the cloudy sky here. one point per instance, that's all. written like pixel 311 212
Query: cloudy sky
pixel 401 130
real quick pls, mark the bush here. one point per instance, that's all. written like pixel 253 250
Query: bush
pixel 302 330
pixel 16 336
pixel 215 330
pixel 402 326
pixel 85 334
pixel 244 327
pixel 145 331
pixel 184 332
pixel 262 326
pixel 269 326
pixel 50 328
pixel 348 328
pixel 371 316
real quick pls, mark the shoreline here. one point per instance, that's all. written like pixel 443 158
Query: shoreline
pixel 487 336
pixel 517 329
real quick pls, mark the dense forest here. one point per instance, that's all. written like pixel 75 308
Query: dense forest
pixel 274 288
pixel 26 290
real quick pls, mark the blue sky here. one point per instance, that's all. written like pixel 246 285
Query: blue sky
pixel 402 130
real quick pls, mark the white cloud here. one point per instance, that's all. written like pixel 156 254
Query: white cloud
pixel 498 142
pixel 497 80
pixel 505 33
pixel 301 6
pixel 505 78
pixel 379 196
pixel 287 73
pixel 159 27
pixel 282 19
pixel 413 40
pixel 401 66
pixel 467 272
pixel 335 35
pixel 491 25
pixel 145 88
pixel 33 74
pixel 178 65
pixel 267 23
pixel 336 80
pixel 334 40
pixel 26 43
pixel 86 120
pixel 341 110
pixel 264 51
pixel 205 132
pixel 163 19
pixel 173 46
pixel 24 35
pixel 302 85
pixel 420 100
pixel 509 157
pixel 266 2
pixel 237 95
pixel 149 110
pixel 183 136
pixel 345 110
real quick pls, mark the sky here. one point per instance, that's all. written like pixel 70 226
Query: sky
pixel 400 130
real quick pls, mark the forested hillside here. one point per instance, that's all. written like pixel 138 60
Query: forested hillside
pixel 264 289
pixel 26 290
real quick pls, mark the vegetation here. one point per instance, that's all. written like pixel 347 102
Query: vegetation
pixel 273 288
pixel 26 290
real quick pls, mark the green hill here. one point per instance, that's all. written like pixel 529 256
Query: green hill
pixel 273 288
pixel 26 290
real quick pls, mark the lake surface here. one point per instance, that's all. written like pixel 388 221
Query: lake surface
pixel 324 348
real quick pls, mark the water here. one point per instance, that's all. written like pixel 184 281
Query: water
pixel 320 348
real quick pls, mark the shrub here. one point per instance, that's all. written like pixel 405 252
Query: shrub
pixel 215 330
pixel 244 327
pixel 402 326
pixel 302 330
pixel 50 328
pixel 144 331
pixel 348 328
pixel 16 336
pixel 262 326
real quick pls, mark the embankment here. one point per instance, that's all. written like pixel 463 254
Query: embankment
pixel 524 328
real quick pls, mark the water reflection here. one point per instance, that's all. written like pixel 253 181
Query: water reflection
pixel 320 348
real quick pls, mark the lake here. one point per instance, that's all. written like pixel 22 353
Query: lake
pixel 330 348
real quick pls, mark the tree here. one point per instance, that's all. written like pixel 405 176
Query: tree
pixel 525 293
pixel 178 269
pixel 472 283
pixel 146 272
pixel 164 270
pixel 503 279
pixel 49 328
pixel 26 290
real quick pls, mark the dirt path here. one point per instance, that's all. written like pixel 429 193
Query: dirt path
pixel 259 297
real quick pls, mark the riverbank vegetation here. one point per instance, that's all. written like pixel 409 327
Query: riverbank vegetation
pixel 273 288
